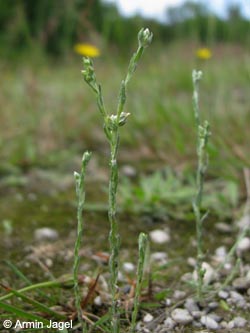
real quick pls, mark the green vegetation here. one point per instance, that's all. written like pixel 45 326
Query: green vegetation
pixel 47 119
pixel 54 27
pixel 44 121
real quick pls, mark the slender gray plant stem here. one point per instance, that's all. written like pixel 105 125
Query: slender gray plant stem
pixel 143 241
pixel 80 193
pixel 112 124
pixel 203 134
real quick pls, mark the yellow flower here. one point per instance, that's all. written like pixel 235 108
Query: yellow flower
pixel 204 53
pixel 87 50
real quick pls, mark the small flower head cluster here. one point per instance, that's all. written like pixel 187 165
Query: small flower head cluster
pixel 145 37
pixel 115 121
pixel 196 75
pixel 89 73
pixel 204 132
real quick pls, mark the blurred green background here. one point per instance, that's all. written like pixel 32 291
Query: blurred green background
pixel 52 27
pixel 48 115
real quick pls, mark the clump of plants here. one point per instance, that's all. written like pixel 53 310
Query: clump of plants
pixel 111 125
pixel 151 191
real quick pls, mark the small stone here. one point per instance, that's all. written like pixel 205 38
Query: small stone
pixel 224 324
pixel 181 316
pixel 221 253
pixel 187 277
pixel 98 301
pixel 197 324
pixel 239 322
pixel 191 305
pixel 45 234
pixel 223 294
pixel 197 314
pixel 179 294
pixel 159 236
pixel 236 296
pixel 241 283
pixel 237 299
pixel 209 323
pixel 168 302
pixel 159 257
pixel 228 266
pixel 223 227
pixel 191 261
pixel 129 171
pixel 126 289
pixel 215 317
pixel 244 222
pixel 49 262
pixel 213 305
pixel 169 323
pixel 243 245
pixel 148 318
pixel 209 273
pixel 139 326
pixel 128 267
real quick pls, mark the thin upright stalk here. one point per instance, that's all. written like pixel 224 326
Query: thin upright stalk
pixel 80 193
pixel 203 134
pixel 143 242
pixel 112 124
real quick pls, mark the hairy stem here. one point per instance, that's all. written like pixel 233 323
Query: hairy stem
pixel 80 193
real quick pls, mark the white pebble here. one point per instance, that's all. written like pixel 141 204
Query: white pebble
pixel 221 252
pixel 49 262
pixel 236 297
pixel 147 318
pixel 128 267
pixel 223 227
pixel 168 302
pixel 187 277
pixel 243 245
pixel 160 257
pixel 181 316
pixel 191 261
pixel 159 236
pixel 209 323
pixel 128 171
pixel 179 294
pixel 209 273
pixel 223 294
pixel 237 322
pixel 98 301
pixel 191 305
pixel 43 234
pixel 197 314
pixel 224 324
pixel 169 323
pixel 244 222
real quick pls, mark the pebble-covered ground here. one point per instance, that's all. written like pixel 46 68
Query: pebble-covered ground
pixel 226 303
